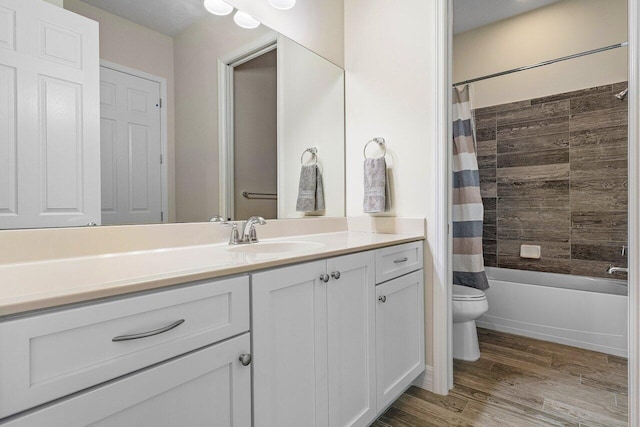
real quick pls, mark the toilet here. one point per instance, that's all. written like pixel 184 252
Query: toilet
pixel 468 305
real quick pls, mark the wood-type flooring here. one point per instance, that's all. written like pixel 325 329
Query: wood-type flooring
pixel 520 382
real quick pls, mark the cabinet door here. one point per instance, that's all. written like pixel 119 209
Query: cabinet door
pixel 49 116
pixel 207 388
pixel 351 335
pixel 399 335
pixel 290 346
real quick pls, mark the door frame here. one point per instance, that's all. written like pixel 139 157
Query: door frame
pixel 634 212
pixel 442 274
pixel 163 127
pixel 226 65
pixel 442 317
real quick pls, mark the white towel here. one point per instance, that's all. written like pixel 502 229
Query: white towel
pixel 376 186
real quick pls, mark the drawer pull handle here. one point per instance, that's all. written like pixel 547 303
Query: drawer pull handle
pixel 150 333
pixel 400 260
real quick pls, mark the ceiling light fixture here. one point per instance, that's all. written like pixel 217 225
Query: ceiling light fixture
pixel 282 4
pixel 218 7
pixel 245 20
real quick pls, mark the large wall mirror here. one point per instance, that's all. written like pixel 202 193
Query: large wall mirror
pixel 200 118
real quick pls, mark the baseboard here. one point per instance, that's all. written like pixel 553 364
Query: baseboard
pixel 528 331
pixel 425 379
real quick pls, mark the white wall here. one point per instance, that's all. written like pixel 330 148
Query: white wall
pixel 390 51
pixel 316 24
pixel 310 114
pixel 197 50
pixel 560 29
pixel 126 43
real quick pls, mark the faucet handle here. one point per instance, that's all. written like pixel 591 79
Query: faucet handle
pixel 216 218
pixel 625 250
pixel 234 238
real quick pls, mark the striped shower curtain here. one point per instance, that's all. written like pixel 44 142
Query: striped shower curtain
pixel 468 212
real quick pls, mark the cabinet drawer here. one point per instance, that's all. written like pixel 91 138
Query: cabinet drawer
pixel 50 355
pixel 395 261
pixel 209 387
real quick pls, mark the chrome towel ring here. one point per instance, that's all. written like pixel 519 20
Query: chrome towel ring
pixel 380 142
pixel 313 151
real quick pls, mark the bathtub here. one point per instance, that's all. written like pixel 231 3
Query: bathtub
pixel 583 312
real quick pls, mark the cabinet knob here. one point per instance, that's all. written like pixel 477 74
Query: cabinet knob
pixel 245 359
pixel 324 278
pixel 335 275
pixel 382 298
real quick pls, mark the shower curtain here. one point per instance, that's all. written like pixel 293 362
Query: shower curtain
pixel 468 212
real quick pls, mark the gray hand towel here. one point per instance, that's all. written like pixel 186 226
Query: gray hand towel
pixel 376 186
pixel 310 190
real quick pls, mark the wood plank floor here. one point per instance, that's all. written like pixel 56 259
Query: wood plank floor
pixel 522 382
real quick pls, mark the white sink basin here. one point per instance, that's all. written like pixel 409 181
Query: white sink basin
pixel 276 247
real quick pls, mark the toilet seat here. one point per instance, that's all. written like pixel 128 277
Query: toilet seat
pixel 465 293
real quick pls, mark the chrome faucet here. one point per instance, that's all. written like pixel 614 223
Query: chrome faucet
pixel 612 269
pixel 249 234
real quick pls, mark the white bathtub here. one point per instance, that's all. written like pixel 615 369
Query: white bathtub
pixel 579 311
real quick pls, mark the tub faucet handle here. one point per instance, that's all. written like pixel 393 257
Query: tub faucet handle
pixel 625 250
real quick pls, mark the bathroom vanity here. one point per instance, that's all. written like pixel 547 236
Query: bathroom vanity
pixel 328 332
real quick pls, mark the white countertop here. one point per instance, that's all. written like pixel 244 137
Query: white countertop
pixel 45 284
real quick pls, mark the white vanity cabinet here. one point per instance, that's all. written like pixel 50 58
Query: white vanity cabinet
pixel 313 343
pixel 327 343
pixel 399 319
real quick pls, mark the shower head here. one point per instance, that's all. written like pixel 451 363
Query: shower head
pixel 622 95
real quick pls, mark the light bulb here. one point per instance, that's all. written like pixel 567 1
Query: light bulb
pixel 218 7
pixel 245 20
pixel 282 4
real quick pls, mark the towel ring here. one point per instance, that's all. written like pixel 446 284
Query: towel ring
pixel 313 151
pixel 380 142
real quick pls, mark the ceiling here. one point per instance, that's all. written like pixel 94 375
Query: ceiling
pixel 169 17
pixel 470 14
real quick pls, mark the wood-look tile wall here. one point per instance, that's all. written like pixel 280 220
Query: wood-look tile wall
pixel 553 172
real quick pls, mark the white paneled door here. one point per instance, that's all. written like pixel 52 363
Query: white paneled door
pixel 130 148
pixel 49 110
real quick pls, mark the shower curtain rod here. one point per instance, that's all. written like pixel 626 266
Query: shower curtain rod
pixel 541 64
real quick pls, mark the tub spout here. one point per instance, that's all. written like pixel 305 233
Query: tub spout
pixel 612 269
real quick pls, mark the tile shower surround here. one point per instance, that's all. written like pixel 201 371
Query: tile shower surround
pixel 553 172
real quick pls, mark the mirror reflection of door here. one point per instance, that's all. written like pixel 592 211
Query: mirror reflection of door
pixel 130 149
pixel 255 137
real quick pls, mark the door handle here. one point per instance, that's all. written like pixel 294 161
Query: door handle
pixel 336 275
pixel 382 298
pixel 245 359
pixel 324 278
